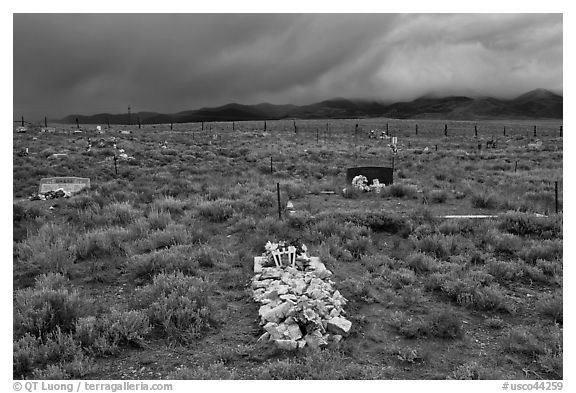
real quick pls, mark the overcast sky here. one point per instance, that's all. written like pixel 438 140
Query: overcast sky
pixel 93 63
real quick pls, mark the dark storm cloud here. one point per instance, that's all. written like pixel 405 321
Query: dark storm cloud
pixel 67 63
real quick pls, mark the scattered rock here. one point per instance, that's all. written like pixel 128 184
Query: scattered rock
pixel 339 325
pixel 287 345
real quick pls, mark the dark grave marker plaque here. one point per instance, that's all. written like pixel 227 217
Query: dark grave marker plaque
pixel 383 174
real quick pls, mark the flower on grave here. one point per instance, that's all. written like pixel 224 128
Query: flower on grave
pixel 271 246
pixel 360 182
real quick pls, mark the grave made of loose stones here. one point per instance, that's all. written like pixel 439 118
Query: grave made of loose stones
pixel 299 304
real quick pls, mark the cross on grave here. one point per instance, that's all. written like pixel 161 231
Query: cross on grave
pixel 290 251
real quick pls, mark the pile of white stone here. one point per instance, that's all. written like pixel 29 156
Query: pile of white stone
pixel 299 307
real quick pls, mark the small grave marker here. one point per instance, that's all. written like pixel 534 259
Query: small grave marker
pixel 68 184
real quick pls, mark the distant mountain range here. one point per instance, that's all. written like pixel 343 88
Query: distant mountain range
pixel 536 104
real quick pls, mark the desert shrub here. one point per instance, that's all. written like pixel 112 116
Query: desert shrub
pixel 178 305
pixel 442 247
pixel 173 234
pixel 473 371
pixel 421 263
pixel 54 356
pixel 436 281
pixel 351 193
pixel 547 250
pixel 504 270
pixel 356 290
pixel 490 297
pixel 549 268
pixel 158 219
pixel 450 227
pixel 533 341
pixel 402 277
pixel 495 323
pixel 51 250
pixel 103 335
pixel 46 307
pixel 102 242
pixel 438 196
pixel 484 200
pixel 550 306
pixel 399 191
pixel 169 204
pixel 294 190
pixel 443 324
pixel 525 224
pixel 120 213
pixel 219 210
pixel 502 243
pixel 358 246
pixel 376 221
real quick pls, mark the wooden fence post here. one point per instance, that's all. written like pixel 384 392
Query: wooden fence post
pixel 45 122
pixel 534 131
pixel 23 121
pixel 279 207
pixel 416 129
pixel 445 129
pixel 77 124
pixel 556 194
pixel 475 130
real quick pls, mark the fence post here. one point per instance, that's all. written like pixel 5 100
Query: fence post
pixel 475 130
pixel 264 125
pixel 416 129
pixel 515 166
pixel 556 194
pixel 560 130
pixel 295 129
pixel 233 127
pixel 279 207
pixel 445 129
pixel 45 122
pixel 271 167
pixel 108 121
pixel 202 125
pixel 317 135
pixel 387 132
pixel 504 130
pixel 534 131
pixel 436 147
pixel 77 124
pixel 171 125
pixel 139 124
pixel 23 121
pixel 115 166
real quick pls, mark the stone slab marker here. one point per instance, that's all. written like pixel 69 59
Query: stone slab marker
pixel 68 184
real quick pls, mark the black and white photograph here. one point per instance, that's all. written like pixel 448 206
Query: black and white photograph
pixel 286 196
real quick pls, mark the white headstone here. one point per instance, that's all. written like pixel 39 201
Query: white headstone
pixel 69 184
